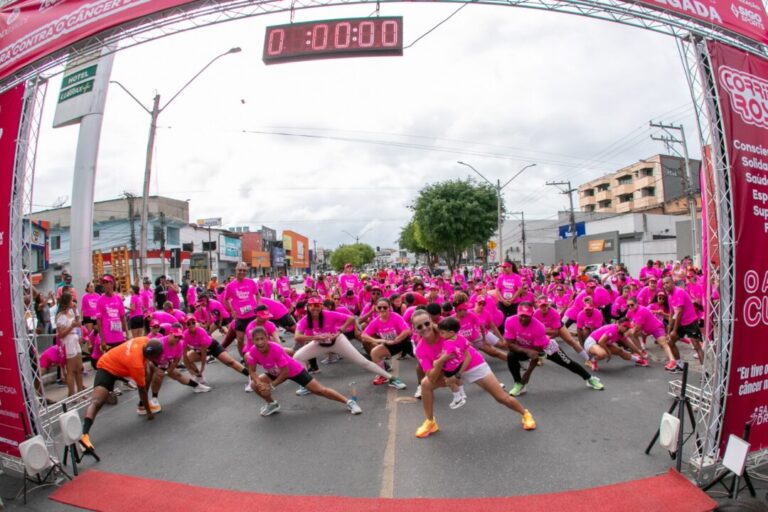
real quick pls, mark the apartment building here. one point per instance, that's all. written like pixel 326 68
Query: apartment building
pixel 652 185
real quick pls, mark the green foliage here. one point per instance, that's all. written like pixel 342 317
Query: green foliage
pixel 451 216
pixel 408 240
pixel 356 254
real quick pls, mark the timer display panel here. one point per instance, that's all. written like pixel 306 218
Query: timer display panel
pixel 327 39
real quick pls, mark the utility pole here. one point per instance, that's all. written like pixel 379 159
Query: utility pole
pixel 522 227
pixel 162 241
pixel 669 140
pixel 131 213
pixel 568 190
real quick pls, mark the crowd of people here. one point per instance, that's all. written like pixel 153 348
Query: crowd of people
pixel 450 323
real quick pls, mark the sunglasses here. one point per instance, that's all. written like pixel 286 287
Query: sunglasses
pixel 630 305
pixel 419 327
pixel 191 322
pixel 382 308
pixel 315 305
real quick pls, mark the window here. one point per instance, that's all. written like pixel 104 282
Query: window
pixel 625 198
pixel 589 192
pixel 602 187
pixel 625 180
pixel 173 236
pixel 648 192
pixel 55 242
pixel 589 208
pixel 646 171
pixel 96 233
pixel 605 204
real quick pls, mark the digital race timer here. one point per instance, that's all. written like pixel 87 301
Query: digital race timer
pixel 352 37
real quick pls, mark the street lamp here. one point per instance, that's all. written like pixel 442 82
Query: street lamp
pixel 154 114
pixel 358 237
pixel 498 187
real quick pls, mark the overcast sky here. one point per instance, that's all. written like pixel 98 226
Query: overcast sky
pixel 496 87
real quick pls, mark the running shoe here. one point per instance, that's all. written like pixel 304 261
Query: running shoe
pixel 270 408
pixel 380 380
pixel 457 402
pixel 154 405
pixel 210 360
pixel 644 354
pixel 314 371
pixel 427 428
pixel 517 389
pixel 353 407
pixel 302 391
pixel 117 389
pixel 594 383
pixel 396 383
pixel 130 385
pixel 200 380
pixel 671 366
pixel 248 388
pixel 642 362
pixel 593 365
pixel 417 394
pixel 528 422
pixel 202 388
pixel 85 442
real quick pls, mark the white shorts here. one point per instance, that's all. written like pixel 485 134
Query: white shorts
pixel 589 343
pixel 71 346
pixel 490 339
pixel 476 373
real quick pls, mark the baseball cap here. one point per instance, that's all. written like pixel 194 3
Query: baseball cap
pixel 108 277
pixel 154 323
pixel 506 264
pixel 190 318
pixel 264 313
pixel 591 284
pixel 314 300
pixel 588 307
pixel 524 310
pixel 542 302
pixel 175 331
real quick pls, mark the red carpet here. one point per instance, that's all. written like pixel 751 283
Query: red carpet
pixel 110 492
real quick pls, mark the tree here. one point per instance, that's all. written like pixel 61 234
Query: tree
pixel 451 216
pixel 356 254
pixel 408 240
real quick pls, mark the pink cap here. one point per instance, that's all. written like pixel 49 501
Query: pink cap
pixel 506 264
pixel 175 331
pixel 315 300
pixel 154 323
pixel 543 302
pixel 525 310
pixel 264 313
pixel 190 318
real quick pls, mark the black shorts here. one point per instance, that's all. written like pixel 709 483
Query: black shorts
pixel 404 347
pixel 89 320
pixel 689 331
pixel 105 379
pixel 242 323
pixel 286 321
pixel 215 349
pixel 451 373
pixel 301 379
pixel 137 322
pixel 508 311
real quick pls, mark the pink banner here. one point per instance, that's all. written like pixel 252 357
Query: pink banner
pixel 13 413
pixel 31 29
pixel 742 84
pixel 745 17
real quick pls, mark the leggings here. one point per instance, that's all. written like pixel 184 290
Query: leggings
pixel 559 358
pixel 344 348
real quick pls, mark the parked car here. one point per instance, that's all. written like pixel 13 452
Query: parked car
pixel 592 270
pixel 297 279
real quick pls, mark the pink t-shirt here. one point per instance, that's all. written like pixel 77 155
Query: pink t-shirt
pixel 348 282
pixel 173 298
pixel 332 322
pixel 136 307
pixel 593 322
pixel 551 320
pixel 53 355
pixel 268 326
pixel 386 329
pixel 679 298
pixel 274 360
pixel 507 285
pixel 283 286
pixel 276 309
pixel 534 335
pixel 427 353
pixel 266 287
pixel 242 296
pixel 164 318
pixel 197 340
pixel 457 348
pixel 471 326
pixel 89 303
pixel 645 319
pixel 610 330
pixel 147 300
pixel 112 312
pixel 170 353
pixel 191 297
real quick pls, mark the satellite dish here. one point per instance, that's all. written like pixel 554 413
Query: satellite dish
pixel 669 430
pixel 34 454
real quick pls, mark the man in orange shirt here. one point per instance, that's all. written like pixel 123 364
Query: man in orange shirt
pixel 133 359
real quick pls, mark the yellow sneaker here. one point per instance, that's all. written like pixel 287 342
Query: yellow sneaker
pixel 85 442
pixel 528 422
pixel 427 428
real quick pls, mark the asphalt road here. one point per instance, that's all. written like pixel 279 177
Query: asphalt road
pixel 584 437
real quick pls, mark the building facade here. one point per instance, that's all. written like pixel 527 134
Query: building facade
pixel 654 185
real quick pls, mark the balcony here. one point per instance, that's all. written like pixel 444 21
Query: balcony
pixel 587 201
pixel 645 202
pixel 620 190
pixel 605 209
pixel 646 181
pixel 603 195
pixel 625 207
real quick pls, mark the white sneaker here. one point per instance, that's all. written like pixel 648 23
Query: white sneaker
pixel 130 385
pixel 154 405
pixel 353 407
pixel 200 380
pixel 417 394
pixel 202 388
pixel 302 391
pixel 457 402
pixel 270 409
pixel 248 388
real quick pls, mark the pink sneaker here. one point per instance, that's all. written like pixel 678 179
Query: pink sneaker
pixel 642 362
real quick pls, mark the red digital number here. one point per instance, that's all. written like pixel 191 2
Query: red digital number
pixel 389 33
pixel 276 42
pixel 323 43
pixel 366 32
pixel 339 40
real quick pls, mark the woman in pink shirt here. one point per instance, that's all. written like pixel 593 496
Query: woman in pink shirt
pixel 198 346
pixel 473 328
pixel 604 342
pixel 548 316
pixel 390 335
pixel 587 321
pixel 279 367
pixel 322 332
pixel 88 306
pixel 645 323
pixel 433 352
pixel 135 313
pixel 113 328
